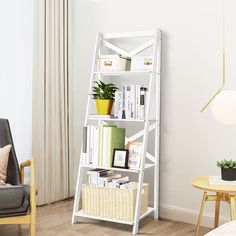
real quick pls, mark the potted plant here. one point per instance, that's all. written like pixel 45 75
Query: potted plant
pixel 228 169
pixel 104 95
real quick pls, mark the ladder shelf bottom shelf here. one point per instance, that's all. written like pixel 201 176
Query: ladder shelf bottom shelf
pixel 128 222
pixel 147 166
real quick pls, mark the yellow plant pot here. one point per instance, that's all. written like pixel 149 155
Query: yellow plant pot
pixel 104 107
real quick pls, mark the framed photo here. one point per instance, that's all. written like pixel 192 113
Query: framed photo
pixel 120 158
pixel 135 154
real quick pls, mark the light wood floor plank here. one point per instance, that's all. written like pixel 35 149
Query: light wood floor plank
pixel 55 220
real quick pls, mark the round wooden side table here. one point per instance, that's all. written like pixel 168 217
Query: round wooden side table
pixel 225 193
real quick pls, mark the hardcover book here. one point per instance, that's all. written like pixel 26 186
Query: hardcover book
pixel 112 138
pixel 100 155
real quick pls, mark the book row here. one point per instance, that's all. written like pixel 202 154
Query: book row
pixel 131 102
pixel 104 146
pixel 108 179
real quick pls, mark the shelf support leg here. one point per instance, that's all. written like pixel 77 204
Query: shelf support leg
pixel 77 194
pixel 156 175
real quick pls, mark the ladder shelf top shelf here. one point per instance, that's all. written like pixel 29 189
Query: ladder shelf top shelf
pixel 123 73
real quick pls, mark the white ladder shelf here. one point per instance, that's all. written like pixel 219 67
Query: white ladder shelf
pixel 154 41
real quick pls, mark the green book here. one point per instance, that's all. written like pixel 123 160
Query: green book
pixel 100 154
pixel 112 138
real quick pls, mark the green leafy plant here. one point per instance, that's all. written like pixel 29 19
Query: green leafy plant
pixel 226 164
pixel 104 91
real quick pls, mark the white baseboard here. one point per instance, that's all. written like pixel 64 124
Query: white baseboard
pixel 188 215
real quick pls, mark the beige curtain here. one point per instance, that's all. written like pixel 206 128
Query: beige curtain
pixel 50 100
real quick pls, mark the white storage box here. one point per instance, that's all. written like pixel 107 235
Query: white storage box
pixel 111 202
pixel 113 63
pixel 141 63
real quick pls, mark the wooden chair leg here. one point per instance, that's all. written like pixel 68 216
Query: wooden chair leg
pixel 32 227
pixel 200 213
pixel 232 208
pixel 217 211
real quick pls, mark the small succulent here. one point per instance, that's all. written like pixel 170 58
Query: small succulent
pixel 104 91
pixel 226 164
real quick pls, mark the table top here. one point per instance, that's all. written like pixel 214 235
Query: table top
pixel 203 184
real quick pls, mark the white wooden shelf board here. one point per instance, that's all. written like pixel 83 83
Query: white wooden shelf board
pixel 124 73
pixel 82 214
pixel 117 120
pixel 127 222
pixel 147 166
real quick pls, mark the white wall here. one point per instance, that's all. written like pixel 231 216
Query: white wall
pixel 191 141
pixel 16 71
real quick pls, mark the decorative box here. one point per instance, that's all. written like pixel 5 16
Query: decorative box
pixel 113 63
pixel 141 63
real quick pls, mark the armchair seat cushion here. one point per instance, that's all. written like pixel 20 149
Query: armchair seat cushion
pixel 14 200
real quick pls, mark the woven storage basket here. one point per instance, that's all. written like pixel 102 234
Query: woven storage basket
pixel 112 203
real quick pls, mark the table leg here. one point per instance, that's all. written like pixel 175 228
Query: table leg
pixel 232 208
pixel 200 213
pixel 217 210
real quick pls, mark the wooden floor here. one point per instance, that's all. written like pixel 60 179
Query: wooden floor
pixel 55 219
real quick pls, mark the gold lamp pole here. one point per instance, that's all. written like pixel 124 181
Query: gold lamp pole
pixel 223 61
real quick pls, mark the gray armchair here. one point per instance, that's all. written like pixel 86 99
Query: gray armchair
pixel 17 201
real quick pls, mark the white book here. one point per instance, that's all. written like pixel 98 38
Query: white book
pixel 106 139
pixel 121 180
pixel 88 145
pixel 216 180
pixel 118 105
pixel 123 100
pixel 128 102
pixel 95 145
pixel 130 185
pixel 143 102
pixel 137 100
pixel 91 144
pixel 132 101
pixel 94 174
pixel 103 181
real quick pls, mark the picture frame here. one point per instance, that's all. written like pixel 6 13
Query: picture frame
pixel 135 154
pixel 120 158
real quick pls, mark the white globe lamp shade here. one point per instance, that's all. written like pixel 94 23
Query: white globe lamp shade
pixel 224 107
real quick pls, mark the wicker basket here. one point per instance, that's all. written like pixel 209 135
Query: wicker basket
pixel 112 203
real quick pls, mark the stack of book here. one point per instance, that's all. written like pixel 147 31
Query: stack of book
pixel 99 143
pixel 107 178
pixel 130 102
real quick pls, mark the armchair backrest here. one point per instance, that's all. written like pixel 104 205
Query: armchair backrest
pixel 13 172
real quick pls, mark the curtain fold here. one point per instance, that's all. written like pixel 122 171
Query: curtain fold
pixel 50 133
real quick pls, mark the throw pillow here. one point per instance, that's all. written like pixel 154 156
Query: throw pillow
pixel 4 156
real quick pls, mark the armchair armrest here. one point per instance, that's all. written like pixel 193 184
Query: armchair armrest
pixel 28 163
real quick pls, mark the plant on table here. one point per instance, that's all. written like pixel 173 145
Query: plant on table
pixel 228 169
